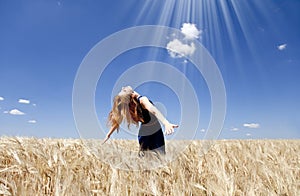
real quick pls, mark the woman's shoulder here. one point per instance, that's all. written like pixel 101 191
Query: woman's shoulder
pixel 139 97
pixel 143 99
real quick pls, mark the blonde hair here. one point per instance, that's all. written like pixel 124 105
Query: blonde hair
pixel 127 108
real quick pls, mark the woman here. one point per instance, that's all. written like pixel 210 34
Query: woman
pixel 134 108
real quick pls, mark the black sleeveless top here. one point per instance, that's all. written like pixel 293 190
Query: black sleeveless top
pixel 150 135
pixel 145 113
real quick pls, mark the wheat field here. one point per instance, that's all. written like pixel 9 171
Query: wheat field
pixel 30 166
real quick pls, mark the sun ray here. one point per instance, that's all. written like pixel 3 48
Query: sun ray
pixel 229 27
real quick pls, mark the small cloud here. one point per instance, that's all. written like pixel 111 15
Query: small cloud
pixel 58 3
pixel 177 49
pixel 15 112
pixel 25 101
pixel 251 125
pixel 5 112
pixel 202 130
pixel 248 134
pixel 1 98
pixel 32 121
pixel 282 47
pixel 190 31
pixel 234 129
pixel 34 104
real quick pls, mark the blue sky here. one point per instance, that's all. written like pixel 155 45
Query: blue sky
pixel 254 43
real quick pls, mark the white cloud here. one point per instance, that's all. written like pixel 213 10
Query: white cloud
pixel 5 112
pixel 248 134
pixel 251 125
pixel 234 129
pixel 177 49
pixel 25 101
pixel 34 104
pixel 15 112
pixel 32 121
pixel 1 98
pixel 190 31
pixel 282 47
pixel 202 130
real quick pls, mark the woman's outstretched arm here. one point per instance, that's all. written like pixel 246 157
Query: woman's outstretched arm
pixel 169 127
pixel 112 129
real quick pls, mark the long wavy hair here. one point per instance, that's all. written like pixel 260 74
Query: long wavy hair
pixel 127 108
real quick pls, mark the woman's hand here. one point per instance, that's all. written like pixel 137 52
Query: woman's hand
pixel 112 129
pixel 169 128
pixel 106 138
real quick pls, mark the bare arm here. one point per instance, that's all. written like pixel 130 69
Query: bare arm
pixel 112 129
pixel 169 128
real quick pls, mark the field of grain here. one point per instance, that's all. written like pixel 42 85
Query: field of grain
pixel 30 166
